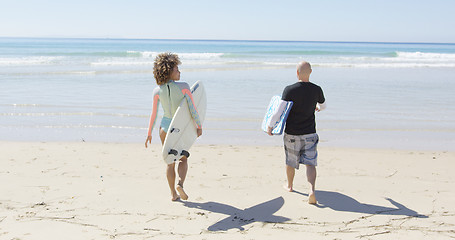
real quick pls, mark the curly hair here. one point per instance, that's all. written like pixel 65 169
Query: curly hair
pixel 163 66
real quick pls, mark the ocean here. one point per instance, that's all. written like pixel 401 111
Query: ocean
pixel 379 95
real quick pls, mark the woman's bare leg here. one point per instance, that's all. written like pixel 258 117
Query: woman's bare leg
pixel 170 171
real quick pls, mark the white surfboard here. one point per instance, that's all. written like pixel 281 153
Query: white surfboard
pixel 280 107
pixel 182 130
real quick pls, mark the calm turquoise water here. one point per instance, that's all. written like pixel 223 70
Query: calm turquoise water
pixel 378 94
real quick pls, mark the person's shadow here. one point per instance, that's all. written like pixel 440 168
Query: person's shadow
pixel 263 212
pixel 238 218
pixel 343 203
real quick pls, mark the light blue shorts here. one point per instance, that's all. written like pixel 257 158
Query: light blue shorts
pixel 165 122
pixel 301 149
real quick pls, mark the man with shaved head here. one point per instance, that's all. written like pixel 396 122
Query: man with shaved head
pixel 300 137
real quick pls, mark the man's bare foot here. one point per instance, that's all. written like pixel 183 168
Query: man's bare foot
pixel 182 193
pixel 289 189
pixel 312 199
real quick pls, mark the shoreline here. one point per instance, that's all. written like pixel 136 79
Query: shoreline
pixel 423 140
pixel 217 40
pixel 88 190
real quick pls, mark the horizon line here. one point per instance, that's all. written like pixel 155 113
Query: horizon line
pixel 230 40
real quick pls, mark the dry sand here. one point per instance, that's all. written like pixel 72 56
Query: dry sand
pixel 119 191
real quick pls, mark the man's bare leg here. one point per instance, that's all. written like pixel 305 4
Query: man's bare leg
pixel 290 173
pixel 311 177
pixel 182 170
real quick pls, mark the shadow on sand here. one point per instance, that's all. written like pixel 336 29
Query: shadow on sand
pixel 237 218
pixel 343 203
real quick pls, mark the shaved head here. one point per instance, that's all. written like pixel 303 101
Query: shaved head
pixel 304 70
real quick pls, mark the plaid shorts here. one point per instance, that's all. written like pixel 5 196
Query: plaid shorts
pixel 301 149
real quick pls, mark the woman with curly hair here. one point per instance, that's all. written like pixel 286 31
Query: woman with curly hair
pixel 170 93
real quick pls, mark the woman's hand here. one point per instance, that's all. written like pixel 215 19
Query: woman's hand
pixel 148 140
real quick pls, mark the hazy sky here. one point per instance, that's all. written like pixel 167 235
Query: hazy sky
pixel 317 20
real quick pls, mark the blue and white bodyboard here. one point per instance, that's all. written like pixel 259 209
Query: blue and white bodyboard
pixel 279 108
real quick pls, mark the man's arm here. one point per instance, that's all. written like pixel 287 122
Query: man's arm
pixel 321 104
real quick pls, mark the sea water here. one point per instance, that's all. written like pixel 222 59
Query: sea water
pixel 387 95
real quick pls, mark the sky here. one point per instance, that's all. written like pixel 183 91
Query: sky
pixel 294 20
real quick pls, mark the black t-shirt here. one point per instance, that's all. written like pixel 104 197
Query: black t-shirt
pixel 301 119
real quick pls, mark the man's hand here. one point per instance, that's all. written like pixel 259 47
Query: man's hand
pixel 199 132
pixel 269 131
pixel 320 107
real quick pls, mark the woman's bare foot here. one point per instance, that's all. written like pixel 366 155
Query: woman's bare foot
pixel 182 193
pixel 175 196
pixel 312 198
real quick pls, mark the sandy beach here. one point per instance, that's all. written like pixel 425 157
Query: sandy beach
pixel 57 190
pixel 78 95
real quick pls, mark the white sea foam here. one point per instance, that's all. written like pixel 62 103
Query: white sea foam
pixel 202 56
pixel 426 56
pixel 385 65
pixel 147 58
pixel 144 54
pixel 44 114
pixel 136 59
pixel 192 56
pixel 35 60
pixel 401 60
pixel 120 62
pixel 89 126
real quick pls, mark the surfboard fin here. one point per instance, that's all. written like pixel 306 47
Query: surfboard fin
pixel 185 153
pixel 175 130
pixel 173 152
